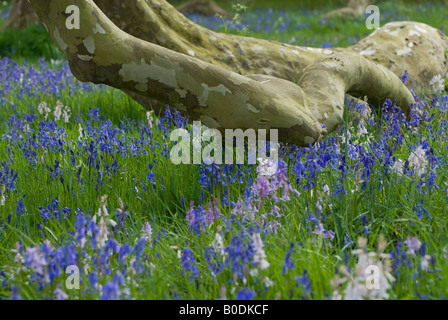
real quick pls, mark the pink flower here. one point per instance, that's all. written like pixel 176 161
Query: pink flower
pixel 147 232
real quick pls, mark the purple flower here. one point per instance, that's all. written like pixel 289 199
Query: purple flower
pixel 35 260
pixel 262 188
pixel 59 294
pixel 413 244
pixel 147 232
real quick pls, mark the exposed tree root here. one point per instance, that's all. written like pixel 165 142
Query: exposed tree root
pixel 228 81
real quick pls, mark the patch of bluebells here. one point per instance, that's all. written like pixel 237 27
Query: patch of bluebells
pixel 245 294
pixel 46 264
pixel 54 210
pixel 200 218
pixel 239 254
pixel 214 261
pixel 37 80
pixel 304 282
pixel 353 157
pixel 263 200
pixel 188 263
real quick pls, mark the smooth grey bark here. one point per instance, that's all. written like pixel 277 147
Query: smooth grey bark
pixel 234 82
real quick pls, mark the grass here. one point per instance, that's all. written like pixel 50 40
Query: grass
pixel 31 43
pixel 109 147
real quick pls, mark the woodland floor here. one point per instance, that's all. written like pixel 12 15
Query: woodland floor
pixel 193 231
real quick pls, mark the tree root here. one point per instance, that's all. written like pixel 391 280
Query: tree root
pixel 225 83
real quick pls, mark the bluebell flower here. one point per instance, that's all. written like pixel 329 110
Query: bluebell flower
pixel 188 262
pixel 405 77
pixel 304 281
pixel 289 263
pixel 245 294
pixel 110 291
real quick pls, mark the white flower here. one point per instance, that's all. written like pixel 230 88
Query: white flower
pixel 260 255
pixel 43 108
pixel 413 245
pixel 58 111
pixel 112 223
pixel 446 189
pixel 67 114
pixel 345 139
pixel 268 282
pixel 424 264
pixel 362 131
pixel 218 244
pixel 103 234
pixel 357 287
pixel 437 83
pixel 398 167
pixel 326 190
pixel 149 118
pixel 2 197
pixel 80 130
pixel 267 167
pixel 18 258
pixel 417 160
pixel 59 294
pixel 254 273
pixel 35 259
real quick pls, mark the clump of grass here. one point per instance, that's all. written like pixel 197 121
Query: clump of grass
pixel 30 43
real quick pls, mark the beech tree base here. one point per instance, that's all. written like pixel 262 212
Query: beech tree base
pixel 21 15
pixel 150 51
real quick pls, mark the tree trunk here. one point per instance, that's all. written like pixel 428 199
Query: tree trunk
pixel 353 9
pixel 151 51
pixel 204 8
pixel 21 14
